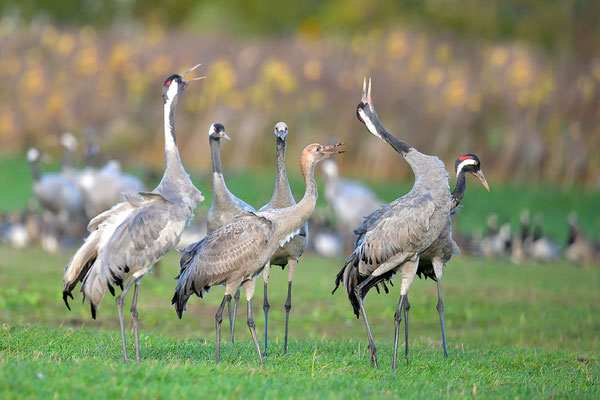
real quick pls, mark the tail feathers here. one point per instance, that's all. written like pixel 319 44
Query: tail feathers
pixel 93 288
pixel 80 265
pixel 186 286
pixel 350 277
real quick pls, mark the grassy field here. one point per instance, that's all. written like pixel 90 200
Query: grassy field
pixel 513 332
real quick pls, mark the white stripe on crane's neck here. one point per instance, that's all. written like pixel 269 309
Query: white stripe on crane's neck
pixel 212 130
pixel 468 161
pixel 169 139
pixel 370 125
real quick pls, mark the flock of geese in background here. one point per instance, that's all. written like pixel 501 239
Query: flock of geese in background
pixel 411 236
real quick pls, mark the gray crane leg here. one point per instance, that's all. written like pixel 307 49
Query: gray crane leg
pixel 219 320
pixel 406 309
pixel 119 302
pixel 252 327
pixel 249 291
pixel 134 318
pixel 372 348
pixel 288 302
pixel 236 300
pixel 266 305
pixel 397 320
pixel 440 308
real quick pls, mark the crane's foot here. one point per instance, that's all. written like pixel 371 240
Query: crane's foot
pixel 373 351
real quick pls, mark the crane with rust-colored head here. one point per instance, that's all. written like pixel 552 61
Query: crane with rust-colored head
pixel 236 254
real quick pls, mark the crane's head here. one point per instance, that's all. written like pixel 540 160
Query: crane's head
pixel 281 130
pixel 217 132
pixel 470 163
pixel 68 141
pixel 33 155
pixel 175 85
pixel 313 153
pixel 365 111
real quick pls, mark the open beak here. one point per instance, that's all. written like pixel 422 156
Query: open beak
pixel 330 147
pixel 184 74
pixel 481 177
pixel 366 94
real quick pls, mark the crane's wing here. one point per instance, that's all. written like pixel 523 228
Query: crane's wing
pixel 391 235
pixel 398 227
pixel 151 228
pixel 225 251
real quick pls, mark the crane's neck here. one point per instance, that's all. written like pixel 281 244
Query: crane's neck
pixel 176 183
pixel 35 170
pixel 459 190
pixel 220 190
pixel 215 153
pixel 376 127
pixel 305 207
pixel 282 195
pixel 172 159
pixel 67 158
pixel 429 171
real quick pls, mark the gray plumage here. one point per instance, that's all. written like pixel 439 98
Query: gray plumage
pixel 351 201
pixel 55 192
pixel 225 205
pixel 392 238
pixel 104 187
pixel 126 241
pixel 236 253
pixel 289 252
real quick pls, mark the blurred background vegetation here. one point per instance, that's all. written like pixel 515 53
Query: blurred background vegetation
pixel 517 82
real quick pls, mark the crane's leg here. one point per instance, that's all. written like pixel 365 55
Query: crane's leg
pixel 440 308
pixel 134 318
pixel 249 290
pixel 406 309
pixel 266 305
pixel 407 272
pixel 219 320
pixel 119 302
pixel 372 348
pixel 236 300
pixel 288 302
pixel 397 321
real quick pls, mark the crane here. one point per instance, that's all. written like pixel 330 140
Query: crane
pixel 394 236
pixel 127 240
pixel 225 205
pixel 434 259
pixel 57 193
pixel 289 253
pixel 236 253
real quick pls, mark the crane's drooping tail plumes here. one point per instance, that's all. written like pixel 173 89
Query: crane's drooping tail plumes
pixel 79 266
pixel 186 286
pixel 350 276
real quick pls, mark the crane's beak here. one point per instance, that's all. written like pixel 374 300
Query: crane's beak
pixel 281 134
pixel 366 93
pixel 226 136
pixel 481 177
pixel 184 74
pixel 330 147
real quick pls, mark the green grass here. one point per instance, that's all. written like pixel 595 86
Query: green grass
pixel 513 331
